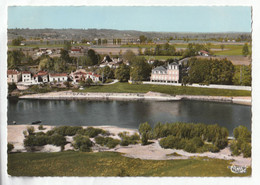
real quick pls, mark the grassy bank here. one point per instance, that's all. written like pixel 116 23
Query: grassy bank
pixel 111 164
pixel 173 90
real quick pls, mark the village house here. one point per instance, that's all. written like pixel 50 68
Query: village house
pixel 168 75
pixel 26 77
pixel 83 75
pixel 13 76
pixel 203 53
pixel 58 77
pixel 40 77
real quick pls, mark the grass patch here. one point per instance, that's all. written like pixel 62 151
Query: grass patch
pixel 111 164
pixel 172 90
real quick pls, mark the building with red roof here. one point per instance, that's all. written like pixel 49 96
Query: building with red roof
pixel 13 76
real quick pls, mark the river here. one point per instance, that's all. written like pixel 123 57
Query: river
pixel 127 114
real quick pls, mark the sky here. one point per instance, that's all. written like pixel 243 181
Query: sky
pixel 149 18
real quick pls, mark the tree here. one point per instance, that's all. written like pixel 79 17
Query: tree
pixel 128 56
pixel 142 39
pixel 64 55
pixel 140 51
pixel 94 58
pixel 222 46
pixel 67 45
pixel 107 72
pixel 46 63
pixel 245 50
pixel 10 147
pixel 11 87
pixel 144 130
pixel 17 41
pixel 14 58
pixel 122 73
pixel 140 69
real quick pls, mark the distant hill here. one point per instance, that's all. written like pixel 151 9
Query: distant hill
pixel 79 34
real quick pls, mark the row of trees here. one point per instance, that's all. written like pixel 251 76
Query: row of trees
pixel 209 71
pixel 185 133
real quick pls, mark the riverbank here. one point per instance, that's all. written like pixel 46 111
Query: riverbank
pixel 155 96
pixel 152 151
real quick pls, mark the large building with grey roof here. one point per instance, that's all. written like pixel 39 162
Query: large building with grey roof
pixel 169 74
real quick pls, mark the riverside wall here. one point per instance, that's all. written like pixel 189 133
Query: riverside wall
pixel 69 95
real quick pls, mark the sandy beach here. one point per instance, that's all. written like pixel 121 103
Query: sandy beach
pixel 152 151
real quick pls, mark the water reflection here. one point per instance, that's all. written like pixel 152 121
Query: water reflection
pixel 127 114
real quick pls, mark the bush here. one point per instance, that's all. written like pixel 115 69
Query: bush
pixel 127 140
pixel 190 147
pixel 212 148
pixel 197 142
pixel 10 147
pixel 221 143
pixel 57 140
pixel 92 132
pixel 67 130
pixel 246 149
pixel 144 130
pixel 107 141
pixel 82 143
pixel 173 142
pixel 41 127
pixel 30 130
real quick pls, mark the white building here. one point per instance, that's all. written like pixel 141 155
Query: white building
pixel 169 74
pixel 58 77
pixel 13 76
pixel 26 77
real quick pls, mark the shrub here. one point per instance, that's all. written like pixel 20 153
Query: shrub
pixel 170 142
pixel 50 132
pixel 67 130
pixel 144 130
pixel 112 143
pixel 190 147
pixel 246 149
pixel 197 142
pixel 82 143
pixel 107 141
pixel 212 148
pixel 234 148
pixel 92 132
pixel 57 140
pixel 10 147
pixel 221 143
pixel 41 127
pixel 30 130
pixel 127 140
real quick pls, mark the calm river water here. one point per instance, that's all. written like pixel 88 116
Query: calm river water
pixel 127 114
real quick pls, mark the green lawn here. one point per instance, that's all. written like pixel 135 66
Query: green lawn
pixel 111 164
pixel 173 90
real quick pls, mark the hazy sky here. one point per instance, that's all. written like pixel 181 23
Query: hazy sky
pixel 167 19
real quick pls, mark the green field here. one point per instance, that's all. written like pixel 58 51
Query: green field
pixel 112 164
pixel 173 90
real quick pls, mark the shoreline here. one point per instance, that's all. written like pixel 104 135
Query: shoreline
pixel 150 96
pixel 148 152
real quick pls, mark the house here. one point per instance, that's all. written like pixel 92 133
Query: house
pixel 26 77
pixel 13 76
pixel 58 77
pixel 166 74
pixel 75 50
pixel 40 77
pixel 83 75
pixel 203 53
